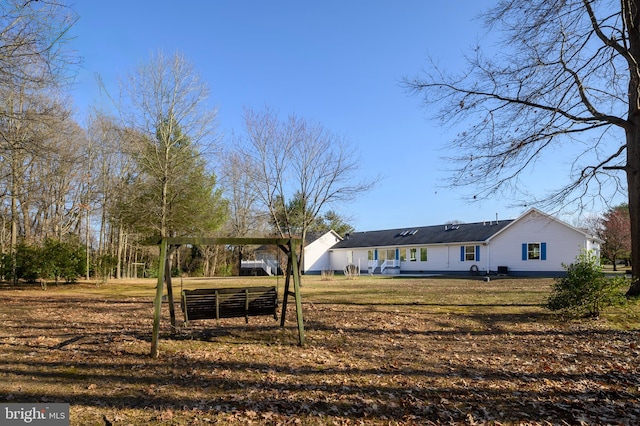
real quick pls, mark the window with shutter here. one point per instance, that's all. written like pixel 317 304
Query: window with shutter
pixel 534 251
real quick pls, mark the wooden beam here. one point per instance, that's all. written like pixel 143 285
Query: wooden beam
pixel 232 241
pixel 286 245
pixel 296 291
pixel 172 308
pixel 287 293
pixel 158 302
pixel 284 249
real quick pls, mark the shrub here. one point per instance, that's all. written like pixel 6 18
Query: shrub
pixel 585 291
pixel 53 259
pixel 225 270
pixel 351 271
pixel 326 274
pixel 29 263
pixel 62 259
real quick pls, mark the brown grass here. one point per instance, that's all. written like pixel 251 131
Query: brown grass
pixel 379 351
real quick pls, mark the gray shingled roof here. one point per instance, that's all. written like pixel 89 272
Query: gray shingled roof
pixel 424 235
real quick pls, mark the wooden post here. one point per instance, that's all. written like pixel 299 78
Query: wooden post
pixel 246 305
pixel 285 298
pixel 158 302
pixel 296 290
pixel 287 246
pixel 172 308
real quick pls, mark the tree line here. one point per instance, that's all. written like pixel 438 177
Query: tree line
pixel 107 190
pixel 154 164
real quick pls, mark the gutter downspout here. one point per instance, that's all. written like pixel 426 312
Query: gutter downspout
pixel 488 257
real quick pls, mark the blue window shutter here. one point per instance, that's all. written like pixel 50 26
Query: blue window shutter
pixel 397 254
pixel 477 253
pixel 543 251
pixel 524 251
pixel 461 253
pixel 375 254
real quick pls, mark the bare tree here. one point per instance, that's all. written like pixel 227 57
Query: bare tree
pixel 297 159
pixel 57 183
pixel 33 43
pixel 36 134
pixel 244 217
pixel 34 64
pixel 615 234
pixel 107 168
pixel 567 74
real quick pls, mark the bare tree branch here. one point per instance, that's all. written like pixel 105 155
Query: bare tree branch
pixel 567 75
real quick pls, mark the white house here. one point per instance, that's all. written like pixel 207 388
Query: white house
pixel 316 253
pixel 267 260
pixel 534 244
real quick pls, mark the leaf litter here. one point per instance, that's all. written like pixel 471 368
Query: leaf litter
pixel 362 364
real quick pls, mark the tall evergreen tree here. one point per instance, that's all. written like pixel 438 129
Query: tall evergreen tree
pixel 172 194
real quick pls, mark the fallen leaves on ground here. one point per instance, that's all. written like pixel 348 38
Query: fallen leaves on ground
pixel 371 364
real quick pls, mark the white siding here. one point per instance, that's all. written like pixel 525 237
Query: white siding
pixel 339 259
pixel 316 254
pixel 563 244
pixel 440 258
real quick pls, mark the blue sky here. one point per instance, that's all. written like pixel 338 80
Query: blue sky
pixel 339 63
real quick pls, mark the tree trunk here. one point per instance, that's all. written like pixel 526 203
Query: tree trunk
pixel 633 187
pixel 3 242
pixel 178 262
pixel 102 233
pixel 214 262
pixel 239 258
pixel 119 251
pixel 301 248
pixel 26 220
pixel 14 227
pixel 127 256
pixel 87 244
pixel 632 20
pixel 633 183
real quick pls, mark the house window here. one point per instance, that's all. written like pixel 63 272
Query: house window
pixel 391 254
pixel 534 251
pixel 412 254
pixel 403 254
pixel 370 255
pixel 423 254
pixel 470 253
